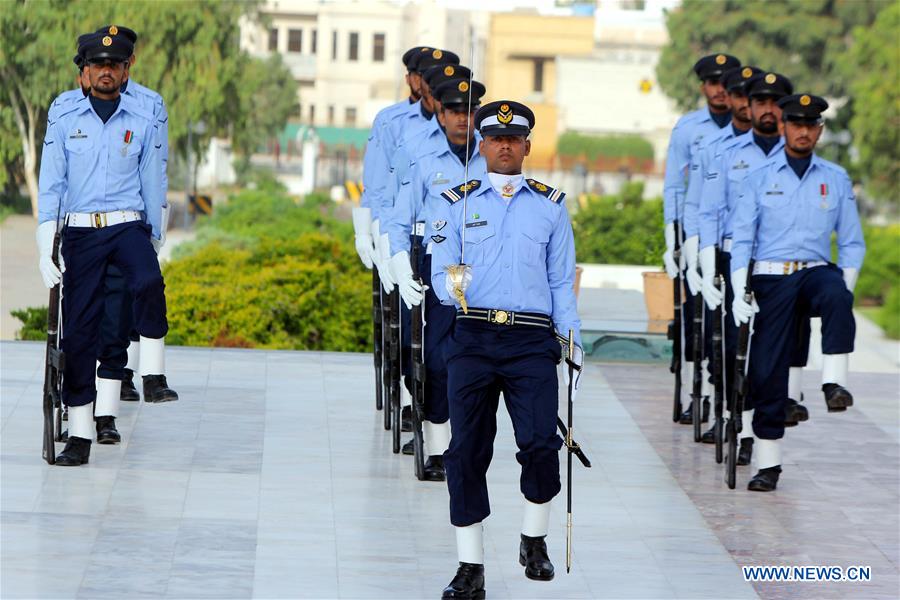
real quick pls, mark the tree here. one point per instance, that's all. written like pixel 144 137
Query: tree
pixel 187 51
pixel 873 69
pixel 802 39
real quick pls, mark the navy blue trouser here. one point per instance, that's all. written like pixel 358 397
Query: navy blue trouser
pixel 439 320
pixel 115 325
pixel 820 292
pixel 87 253
pixel 799 356
pixel 484 359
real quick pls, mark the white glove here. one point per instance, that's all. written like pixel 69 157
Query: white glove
pixel 740 310
pixel 384 264
pixel 689 251
pixel 157 244
pixel 668 260
pixel 44 237
pixel 409 288
pixel 450 286
pixel 850 277
pixel 711 293
pixel 362 227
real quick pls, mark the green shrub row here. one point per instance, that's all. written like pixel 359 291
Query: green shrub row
pixel 605 146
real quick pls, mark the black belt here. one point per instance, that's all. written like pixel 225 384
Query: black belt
pixel 505 317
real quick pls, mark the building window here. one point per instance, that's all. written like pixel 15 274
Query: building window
pixel 273 40
pixel 353 53
pixel 331 114
pixel 334 45
pixel 295 40
pixel 378 47
pixel 539 75
pixel 312 114
pixel 350 115
pixel 315 40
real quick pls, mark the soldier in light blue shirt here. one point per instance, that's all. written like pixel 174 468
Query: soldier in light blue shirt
pixel 788 209
pixel 516 295
pixel 101 170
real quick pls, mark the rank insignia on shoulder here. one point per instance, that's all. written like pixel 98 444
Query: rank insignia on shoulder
pixel 552 194
pixel 455 194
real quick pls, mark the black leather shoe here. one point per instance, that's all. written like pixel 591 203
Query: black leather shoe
pixel 766 480
pixel 106 430
pixel 745 452
pixel 77 452
pixel 129 393
pixel 709 436
pixel 794 413
pixel 434 468
pixel 687 417
pixel 837 398
pixel 63 436
pixel 156 389
pixel 533 556
pixel 468 583
pixel 408 449
pixel 406 419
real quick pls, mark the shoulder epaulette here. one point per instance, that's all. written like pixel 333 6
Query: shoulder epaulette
pixel 552 194
pixel 456 193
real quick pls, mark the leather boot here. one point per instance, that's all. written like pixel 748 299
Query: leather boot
pixel 129 393
pixel 156 389
pixel 106 430
pixel 687 417
pixel 406 419
pixel 408 449
pixel 468 583
pixel 794 413
pixel 434 468
pixel 766 480
pixel 837 397
pixel 745 451
pixel 77 452
pixel 533 556
pixel 709 436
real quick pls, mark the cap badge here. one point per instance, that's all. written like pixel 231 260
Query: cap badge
pixel 437 54
pixel 448 70
pixel 805 100
pixel 113 30
pixel 720 59
pixel 463 86
pixel 747 73
pixel 504 115
pixel 770 78
pixel 107 41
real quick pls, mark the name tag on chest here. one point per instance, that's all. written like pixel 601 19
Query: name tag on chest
pixel 476 224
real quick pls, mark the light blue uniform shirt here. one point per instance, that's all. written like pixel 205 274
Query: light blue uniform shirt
pixel 87 166
pixel 425 138
pixel 419 198
pixel 686 137
pixel 699 164
pixel 522 253
pixel 723 177
pixel 779 217
pixel 375 165
pixel 61 102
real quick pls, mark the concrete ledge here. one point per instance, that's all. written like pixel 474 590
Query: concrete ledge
pixel 620 277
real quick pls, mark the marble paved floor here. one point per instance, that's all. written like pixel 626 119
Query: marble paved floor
pixel 272 478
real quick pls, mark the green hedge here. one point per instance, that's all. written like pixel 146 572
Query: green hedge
pixel 622 229
pixel 881 269
pixel 607 146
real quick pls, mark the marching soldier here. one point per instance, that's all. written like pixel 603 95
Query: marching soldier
pixel 418 199
pixel 686 138
pixel 517 243
pixel 101 172
pixel 722 176
pixel 784 219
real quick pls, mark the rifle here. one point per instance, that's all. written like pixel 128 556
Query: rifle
pixel 54 364
pixel 741 388
pixel 385 358
pixel 377 337
pixel 676 328
pixel 697 387
pixel 394 380
pixel 571 446
pixel 417 357
pixel 718 362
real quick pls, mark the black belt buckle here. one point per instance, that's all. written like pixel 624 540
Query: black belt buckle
pixel 500 317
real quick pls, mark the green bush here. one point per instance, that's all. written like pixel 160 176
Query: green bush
pixel 606 146
pixel 34 323
pixel 622 229
pixel 880 272
pixel 267 272
pixel 889 315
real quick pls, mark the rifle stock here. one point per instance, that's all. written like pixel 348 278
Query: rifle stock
pixel 54 364
pixel 735 424
pixel 718 365
pixel 676 330
pixel 417 363
pixel 377 337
